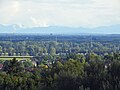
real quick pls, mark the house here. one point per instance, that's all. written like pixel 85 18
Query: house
pixel 1 66
pixel 34 63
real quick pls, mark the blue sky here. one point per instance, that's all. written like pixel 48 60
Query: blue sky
pixel 71 13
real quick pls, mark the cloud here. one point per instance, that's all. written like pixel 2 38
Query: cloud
pixel 72 13
pixel 40 23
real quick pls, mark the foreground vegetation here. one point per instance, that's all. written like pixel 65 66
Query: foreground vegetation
pixel 76 73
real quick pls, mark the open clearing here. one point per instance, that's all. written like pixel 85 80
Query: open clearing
pixel 17 57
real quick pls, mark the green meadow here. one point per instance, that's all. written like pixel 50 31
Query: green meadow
pixel 17 57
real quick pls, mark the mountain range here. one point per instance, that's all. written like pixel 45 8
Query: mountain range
pixel 113 29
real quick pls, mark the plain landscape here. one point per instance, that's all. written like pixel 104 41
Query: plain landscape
pixel 59 44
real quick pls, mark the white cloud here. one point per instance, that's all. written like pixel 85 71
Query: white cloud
pixel 40 23
pixel 76 13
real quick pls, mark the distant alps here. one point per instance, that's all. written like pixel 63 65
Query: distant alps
pixel 113 29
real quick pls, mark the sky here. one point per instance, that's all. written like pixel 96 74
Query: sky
pixel 70 13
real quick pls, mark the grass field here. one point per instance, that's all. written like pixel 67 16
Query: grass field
pixel 17 57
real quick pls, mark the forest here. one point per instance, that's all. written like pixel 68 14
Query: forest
pixel 60 62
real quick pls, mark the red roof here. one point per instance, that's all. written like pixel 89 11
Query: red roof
pixel 1 65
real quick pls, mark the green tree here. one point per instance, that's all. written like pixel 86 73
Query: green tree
pixel 114 75
pixel 70 76
pixel 13 67
pixel 52 51
pixel 94 76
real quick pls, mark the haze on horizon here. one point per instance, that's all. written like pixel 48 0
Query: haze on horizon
pixel 70 13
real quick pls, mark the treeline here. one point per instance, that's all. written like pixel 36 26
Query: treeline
pixel 37 48
pixel 76 73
